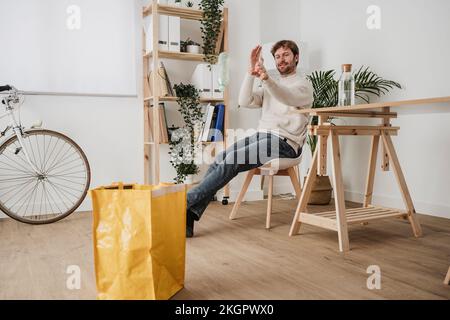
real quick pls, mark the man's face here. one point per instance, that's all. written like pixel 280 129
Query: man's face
pixel 285 60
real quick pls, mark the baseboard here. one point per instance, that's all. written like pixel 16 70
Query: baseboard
pixel 430 209
pixel 280 188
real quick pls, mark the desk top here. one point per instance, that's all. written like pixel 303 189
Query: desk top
pixel 371 106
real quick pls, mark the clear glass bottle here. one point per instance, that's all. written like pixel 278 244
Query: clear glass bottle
pixel 346 86
pixel 223 71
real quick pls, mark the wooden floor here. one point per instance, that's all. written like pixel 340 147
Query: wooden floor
pixel 241 260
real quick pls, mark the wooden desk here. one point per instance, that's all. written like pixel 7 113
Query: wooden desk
pixel 339 219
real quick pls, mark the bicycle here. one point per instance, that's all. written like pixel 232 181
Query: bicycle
pixel 44 175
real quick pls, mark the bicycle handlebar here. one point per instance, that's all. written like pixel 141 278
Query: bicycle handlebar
pixel 5 88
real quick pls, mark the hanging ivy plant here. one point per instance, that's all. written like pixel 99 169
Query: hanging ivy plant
pixel 210 27
pixel 182 142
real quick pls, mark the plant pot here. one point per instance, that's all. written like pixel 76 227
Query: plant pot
pixel 193 49
pixel 321 191
pixel 189 179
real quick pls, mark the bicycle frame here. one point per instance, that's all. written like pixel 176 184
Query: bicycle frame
pixel 18 130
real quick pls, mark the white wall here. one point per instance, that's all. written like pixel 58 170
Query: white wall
pixel 69 46
pixel 412 48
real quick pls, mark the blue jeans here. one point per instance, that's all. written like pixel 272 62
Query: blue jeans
pixel 246 154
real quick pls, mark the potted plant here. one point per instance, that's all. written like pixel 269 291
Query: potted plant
pixel 182 156
pixel 190 46
pixel 210 27
pixel 182 142
pixel 367 83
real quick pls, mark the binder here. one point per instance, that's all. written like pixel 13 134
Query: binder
pixel 216 93
pixel 163 37
pixel 202 80
pixel 219 124
pixel 174 29
pixel 212 128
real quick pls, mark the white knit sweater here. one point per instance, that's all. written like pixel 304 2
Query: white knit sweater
pixel 278 98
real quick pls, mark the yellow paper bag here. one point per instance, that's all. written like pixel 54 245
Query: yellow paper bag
pixel 139 234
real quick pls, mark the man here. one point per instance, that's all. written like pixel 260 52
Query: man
pixel 281 133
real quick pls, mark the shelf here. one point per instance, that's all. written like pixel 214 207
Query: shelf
pixel 358 215
pixel 177 55
pixel 174 99
pixel 184 13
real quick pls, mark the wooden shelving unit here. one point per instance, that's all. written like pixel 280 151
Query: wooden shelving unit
pixel 152 148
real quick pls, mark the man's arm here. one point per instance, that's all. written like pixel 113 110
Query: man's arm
pixel 298 95
pixel 247 97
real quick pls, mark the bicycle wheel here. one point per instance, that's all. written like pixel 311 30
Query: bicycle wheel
pixel 56 190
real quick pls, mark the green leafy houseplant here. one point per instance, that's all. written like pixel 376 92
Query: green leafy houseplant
pixel 210 27
pixel 186 43
pixel 182 144
pixel 367 84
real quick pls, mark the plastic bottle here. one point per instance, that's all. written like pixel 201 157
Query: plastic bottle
pixel 223 71
pixel 346 86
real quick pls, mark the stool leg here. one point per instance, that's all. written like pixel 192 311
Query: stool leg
pixel 247 181
pixel 295 182
pixel 447 278
pixel 269 202
pixel 306 193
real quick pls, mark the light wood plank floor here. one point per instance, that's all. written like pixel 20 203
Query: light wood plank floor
pixel 241 260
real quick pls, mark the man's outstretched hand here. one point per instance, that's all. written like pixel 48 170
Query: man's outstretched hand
pixel 261 70
pixel 257 64
pixel 254 59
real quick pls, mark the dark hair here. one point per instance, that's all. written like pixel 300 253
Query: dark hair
pixel 286 44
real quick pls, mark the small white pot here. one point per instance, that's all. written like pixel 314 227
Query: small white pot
pixel 189 179
pixel 193 49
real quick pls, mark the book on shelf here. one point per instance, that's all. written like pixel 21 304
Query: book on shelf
pixel 207 123
pixel 163 128
pixel 213 124
pixel 167 79
pixel 149 115
pixel 163 85
pixel 218 131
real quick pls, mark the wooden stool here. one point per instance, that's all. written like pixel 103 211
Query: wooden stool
pixel 276 167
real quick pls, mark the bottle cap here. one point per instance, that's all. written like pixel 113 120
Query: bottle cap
pixel 347 67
